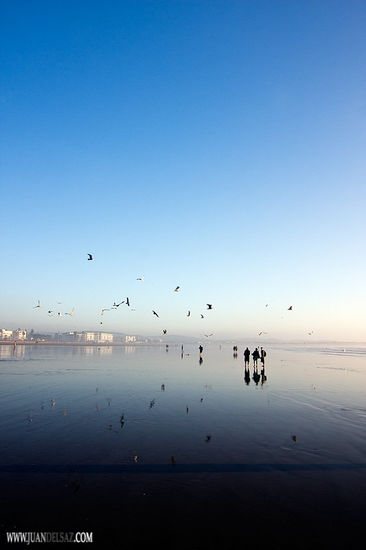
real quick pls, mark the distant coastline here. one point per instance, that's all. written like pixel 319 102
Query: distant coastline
pixel 84 344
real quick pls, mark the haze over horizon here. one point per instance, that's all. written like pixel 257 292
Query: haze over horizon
pixel 216 146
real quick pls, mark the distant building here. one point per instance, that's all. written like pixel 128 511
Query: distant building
pixel 105 337
pixel 97 337
pixel 20 334
pixel 129 339
pixel 6 334
pixel 86 336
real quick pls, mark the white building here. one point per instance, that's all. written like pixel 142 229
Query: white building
pixel 95 337
pixel 86 337
pixel 105 337
pixel 6 334
pixel 130 339
pixel 20 334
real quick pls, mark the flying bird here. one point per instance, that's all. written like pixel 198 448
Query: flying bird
pixel 202 317
pixel 164 331
pixel 177 289
pixel 154 313
pixel 90 257
pixel 290 308
pixel 209 306
pixel 128 302
pixel 38 305
pixel 188 313
pixel 104 309
pixel 262 332
pixel 140 279
pixel 117 305
pixel 208 335
pixel 71 313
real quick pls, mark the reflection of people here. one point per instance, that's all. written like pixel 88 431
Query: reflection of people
pixel 246 356
pixel 263 354
pixel 256 375
pixel 256 356
pixel 235 351
pixel 247 375
pixel 201 360
pixel 263 376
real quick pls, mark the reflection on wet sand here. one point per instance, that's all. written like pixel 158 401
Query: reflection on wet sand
pixel 83 411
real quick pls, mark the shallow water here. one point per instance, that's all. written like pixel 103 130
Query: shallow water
pixel 299 426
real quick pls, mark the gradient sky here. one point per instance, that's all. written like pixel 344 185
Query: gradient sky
pixel 214 145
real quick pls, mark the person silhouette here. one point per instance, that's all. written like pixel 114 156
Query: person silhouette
pixel 263 355
pixel 256 356
pixel 246 356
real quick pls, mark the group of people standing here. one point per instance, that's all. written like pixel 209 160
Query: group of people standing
pixel 256 354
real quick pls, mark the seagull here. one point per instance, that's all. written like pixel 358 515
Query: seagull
pixel 154 312
pixel 117 305
pixel 188 313
pixel 128 302
pixel 262 333
pixel 209 306
pixel 266 305
pixel 164 331
pixel 202 317
pixel 104 309
pixel 290 308
pixel 207 335
pixel 90 257
pixel 39 305
pixel 208 437
pixel 140 279
pixel 177 289
pixel 71 313
pixel 50 311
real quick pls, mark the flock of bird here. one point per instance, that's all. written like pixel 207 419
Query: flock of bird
pixel 116 305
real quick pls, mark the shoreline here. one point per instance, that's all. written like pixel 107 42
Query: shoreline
pixel 15 343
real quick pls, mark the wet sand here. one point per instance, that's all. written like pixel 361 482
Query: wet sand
pixel 250 486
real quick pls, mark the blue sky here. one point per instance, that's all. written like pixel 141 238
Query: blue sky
pixel 214 145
